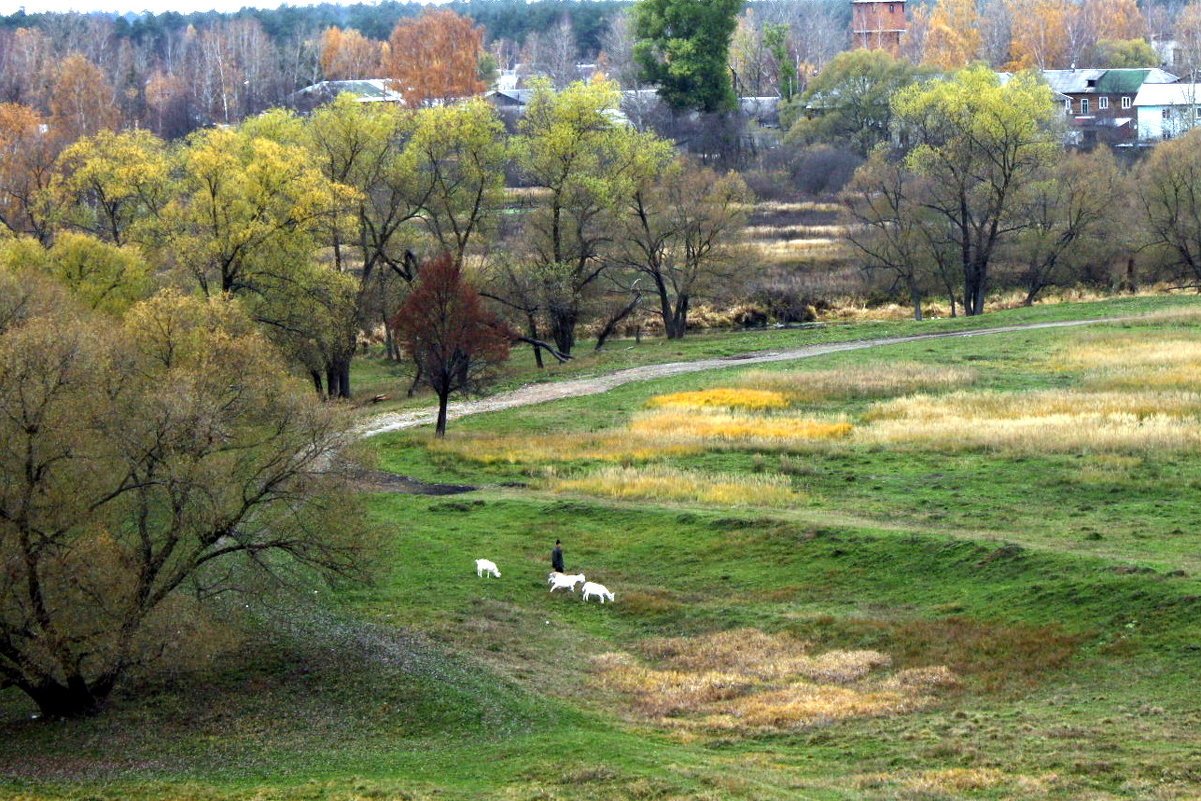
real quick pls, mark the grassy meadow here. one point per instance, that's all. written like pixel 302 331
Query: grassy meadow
pixel 953 568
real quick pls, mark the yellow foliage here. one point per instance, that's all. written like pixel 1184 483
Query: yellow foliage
pixel 754 399
pixel 662 483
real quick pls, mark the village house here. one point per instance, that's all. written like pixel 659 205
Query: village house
pixel 1165 111
pixel 1100 103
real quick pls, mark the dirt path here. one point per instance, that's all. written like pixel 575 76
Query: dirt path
pixel 574 388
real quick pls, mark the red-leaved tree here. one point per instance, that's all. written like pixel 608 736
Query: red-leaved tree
pixel 455 342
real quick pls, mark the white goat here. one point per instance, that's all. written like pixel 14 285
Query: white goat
pixel 599 590
pixel 560 580
pixel 483 566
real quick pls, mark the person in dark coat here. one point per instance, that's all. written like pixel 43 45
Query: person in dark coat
pixel 556 558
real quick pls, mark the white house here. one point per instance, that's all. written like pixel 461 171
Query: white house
pixel 1167 110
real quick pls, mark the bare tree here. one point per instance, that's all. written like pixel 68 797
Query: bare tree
pixel 681 231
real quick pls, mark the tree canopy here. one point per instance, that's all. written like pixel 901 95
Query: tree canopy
pixel 683 45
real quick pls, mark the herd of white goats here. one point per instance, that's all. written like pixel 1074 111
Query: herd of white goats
pixel 555 580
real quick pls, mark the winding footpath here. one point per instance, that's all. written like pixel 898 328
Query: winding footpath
pixel 574 388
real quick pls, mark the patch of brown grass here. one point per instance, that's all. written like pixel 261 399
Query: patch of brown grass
pixel 1136 362
pixel 862 382
pixel 749 399
pixel 540 448
pixel 1057 421
pixel 773 430
pixel 943 783
pixel 749 681
pixel 663 483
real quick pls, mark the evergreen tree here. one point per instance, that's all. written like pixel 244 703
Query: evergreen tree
pixel 683 45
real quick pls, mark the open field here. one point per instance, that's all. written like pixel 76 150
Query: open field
pixel 858 616
pixel 374 375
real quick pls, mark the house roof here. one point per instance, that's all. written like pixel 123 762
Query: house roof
pixel 1099 81
pixel 1171 94
pixel 367 90
pixel 1005 77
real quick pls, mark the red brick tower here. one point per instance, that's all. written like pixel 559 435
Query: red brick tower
pixel 878 24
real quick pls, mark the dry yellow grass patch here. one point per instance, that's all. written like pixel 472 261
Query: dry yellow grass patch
pixel 751 399
pixel 1136 363
pixel 796 232
pixel 1052 434
pixel 663 483
pixel 986 406
pixel 781 207
pixel 1121 351
pixel 732 427
pixel 1039 422
pixel 750 681
pixel 814 248
pixel 860 382
pixel 944 782
pixel 492 449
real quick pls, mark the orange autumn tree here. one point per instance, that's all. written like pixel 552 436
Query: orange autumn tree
pixel 434 57
pixel 1116 19
pixel 1055 34
pixel 1037 28
pixel 953 39
pixel 82 102
pixel 27 154
pixel 348 55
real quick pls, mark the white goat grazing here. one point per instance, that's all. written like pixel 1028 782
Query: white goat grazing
pixel 483 566
pixel 560 580
pixel 599 590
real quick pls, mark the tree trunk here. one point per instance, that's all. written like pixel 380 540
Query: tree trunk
pixel 916 297
pixel 562 329
pixel 331 380
pixel 676 325
pixel 75 699
pixel 443 401
pixel 417 376
pixel 316 374
pixel 344 379
pixel 532 326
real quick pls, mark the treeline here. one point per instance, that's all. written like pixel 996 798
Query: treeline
pixel 970 192
pixel 502 19
pixel 318 224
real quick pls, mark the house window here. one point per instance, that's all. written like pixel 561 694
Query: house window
pixel 1067 106
pixel 1197 112
pixel 1127 102
pixel 1084 105
pixel 1102 103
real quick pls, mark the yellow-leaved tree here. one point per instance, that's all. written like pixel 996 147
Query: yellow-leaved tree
pixel 953 37
pixel 112 184
pixel 976 145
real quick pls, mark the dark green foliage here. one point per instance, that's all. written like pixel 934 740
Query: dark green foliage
pixel 683 45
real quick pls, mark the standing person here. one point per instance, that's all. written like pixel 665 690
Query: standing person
pixel 556 558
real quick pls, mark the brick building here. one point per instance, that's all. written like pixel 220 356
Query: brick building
pixel 878 24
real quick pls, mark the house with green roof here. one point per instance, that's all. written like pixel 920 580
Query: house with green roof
pixel 1099 103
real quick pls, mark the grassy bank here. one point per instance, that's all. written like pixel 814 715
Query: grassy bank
pixel 905 612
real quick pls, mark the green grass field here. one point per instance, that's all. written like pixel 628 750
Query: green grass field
pixel 986 589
